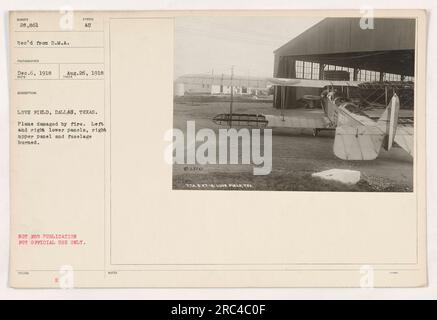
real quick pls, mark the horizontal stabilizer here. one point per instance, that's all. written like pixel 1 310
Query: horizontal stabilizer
pixel 358 142
pixel 405 138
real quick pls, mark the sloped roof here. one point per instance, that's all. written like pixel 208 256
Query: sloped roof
pixel 343 35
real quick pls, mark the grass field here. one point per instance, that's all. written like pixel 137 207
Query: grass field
pixel 296 155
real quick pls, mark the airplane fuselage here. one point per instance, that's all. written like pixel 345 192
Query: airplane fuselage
pixel 339 109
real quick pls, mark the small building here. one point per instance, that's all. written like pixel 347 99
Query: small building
pixel 221 84
pixel 339 49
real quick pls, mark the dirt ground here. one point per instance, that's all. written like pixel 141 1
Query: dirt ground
pixel 296 155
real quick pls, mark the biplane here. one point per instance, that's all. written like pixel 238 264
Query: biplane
pixel 357 135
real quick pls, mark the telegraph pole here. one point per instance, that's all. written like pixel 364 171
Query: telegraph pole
pixel 212 79
pixel 232 97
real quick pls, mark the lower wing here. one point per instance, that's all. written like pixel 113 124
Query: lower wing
pixel 313 122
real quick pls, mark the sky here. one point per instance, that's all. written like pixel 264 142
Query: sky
pixel 213 44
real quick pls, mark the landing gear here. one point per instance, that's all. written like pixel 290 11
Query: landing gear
pixel 315 132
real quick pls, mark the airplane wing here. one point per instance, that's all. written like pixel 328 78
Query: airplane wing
pixel 311 122
pixel 311 83
pixel 405 138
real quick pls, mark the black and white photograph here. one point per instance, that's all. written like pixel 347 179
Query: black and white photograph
pixel 282 103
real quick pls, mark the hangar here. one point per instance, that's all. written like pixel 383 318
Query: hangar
pixel 339 49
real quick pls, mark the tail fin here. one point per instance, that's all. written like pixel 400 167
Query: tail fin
pixel 389 121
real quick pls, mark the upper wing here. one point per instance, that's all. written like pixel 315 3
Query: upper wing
pixel 311 83
pixel 405 138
